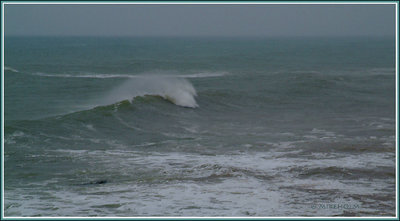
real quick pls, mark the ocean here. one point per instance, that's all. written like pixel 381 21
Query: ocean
pixel 168 126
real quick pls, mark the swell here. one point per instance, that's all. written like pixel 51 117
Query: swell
pixel 94 114
pixel 100 126
pixel 120 106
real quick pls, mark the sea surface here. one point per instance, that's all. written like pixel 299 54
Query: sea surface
pixel 126 127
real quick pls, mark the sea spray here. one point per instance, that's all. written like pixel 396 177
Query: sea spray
pixel 176 90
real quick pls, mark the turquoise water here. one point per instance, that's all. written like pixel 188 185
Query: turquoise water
pixel 199 126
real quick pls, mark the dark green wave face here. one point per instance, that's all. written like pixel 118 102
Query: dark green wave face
pixel 199 127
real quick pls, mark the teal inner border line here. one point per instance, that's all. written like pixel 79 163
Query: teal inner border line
pixel 205 2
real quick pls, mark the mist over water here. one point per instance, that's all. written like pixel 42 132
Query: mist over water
pixel 128 127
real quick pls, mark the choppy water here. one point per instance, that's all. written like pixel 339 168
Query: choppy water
pixel 199 126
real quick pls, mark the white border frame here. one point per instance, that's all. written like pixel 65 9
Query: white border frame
pixel 395 3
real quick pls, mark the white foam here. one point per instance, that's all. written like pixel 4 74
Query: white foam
pixel 190 184
pixel 90 127
pixel 11 138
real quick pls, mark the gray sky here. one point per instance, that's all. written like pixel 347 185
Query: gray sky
pixel 200 20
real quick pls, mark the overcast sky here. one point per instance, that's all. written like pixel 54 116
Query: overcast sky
pixel 200 20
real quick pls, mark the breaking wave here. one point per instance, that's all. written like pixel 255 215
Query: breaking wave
pixel 176 90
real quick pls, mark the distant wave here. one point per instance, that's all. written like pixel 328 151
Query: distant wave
pixel 84 75
pixel 100 76
pixel 382 71
pixel 10 69
pixel 204 75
